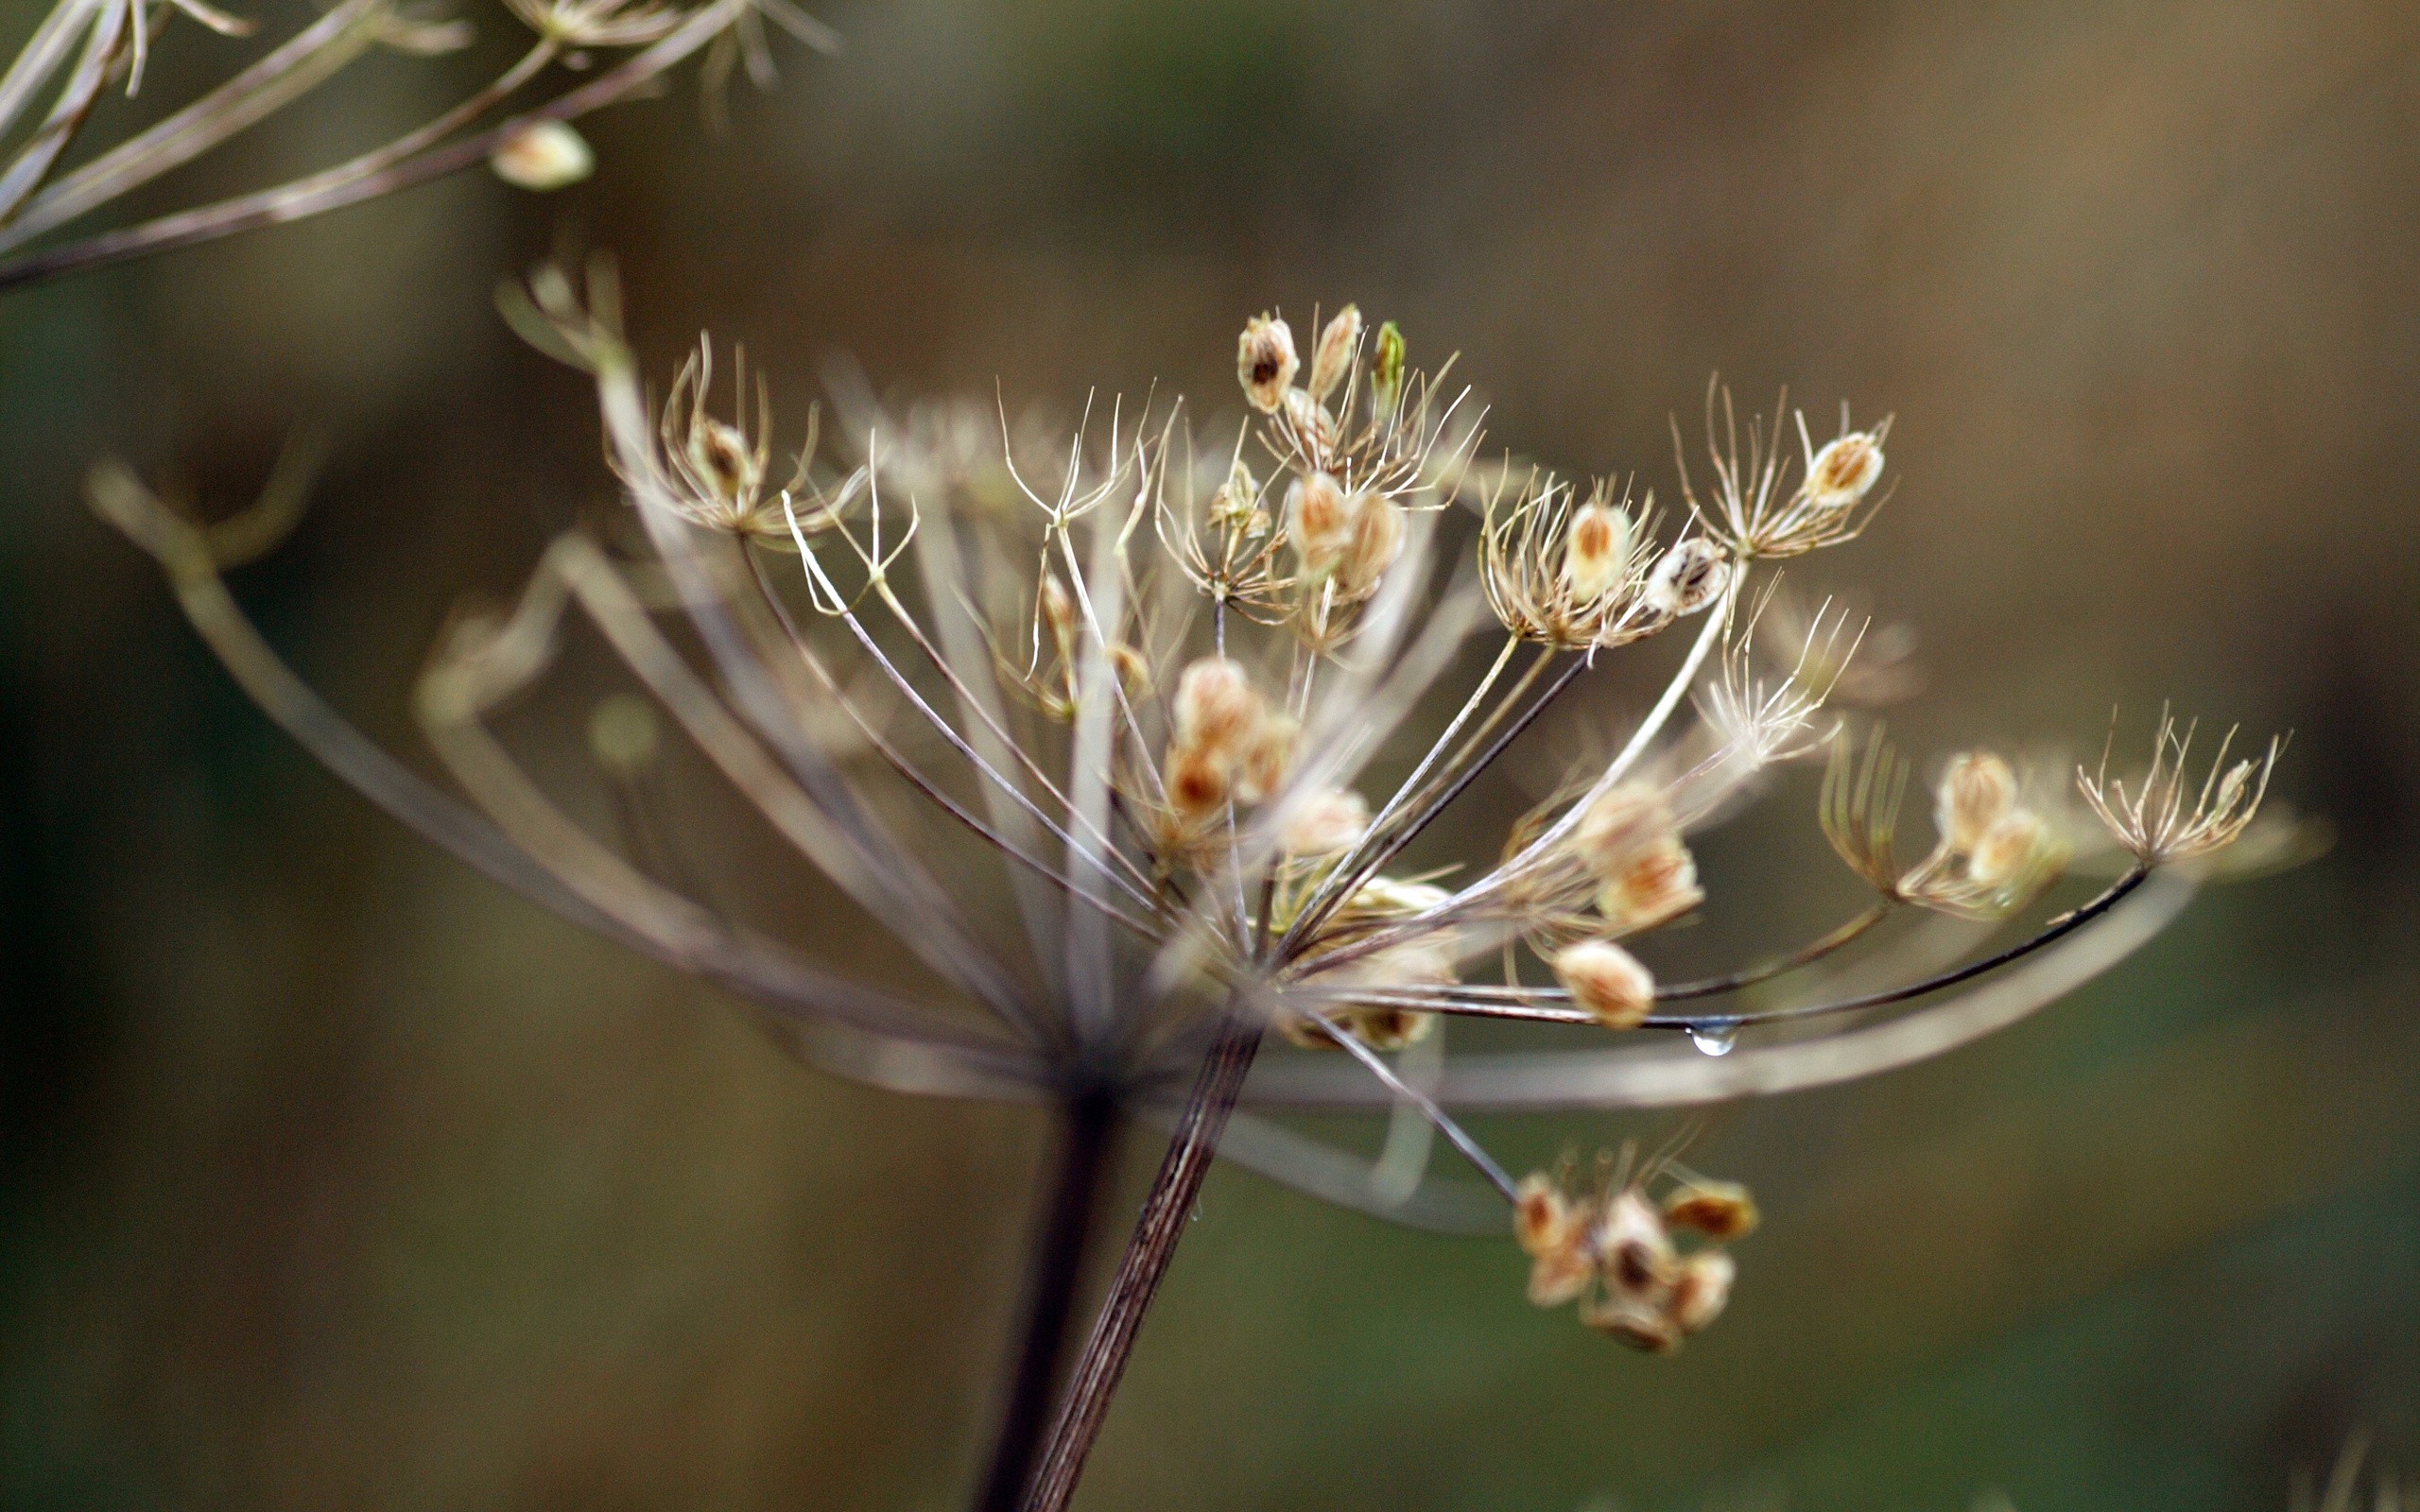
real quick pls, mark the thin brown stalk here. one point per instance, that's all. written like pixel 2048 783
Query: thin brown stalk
pixel 1145 1263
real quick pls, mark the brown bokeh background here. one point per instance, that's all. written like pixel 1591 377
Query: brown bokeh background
pixel 334 1176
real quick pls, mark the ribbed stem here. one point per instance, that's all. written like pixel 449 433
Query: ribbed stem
pixel 1165 1208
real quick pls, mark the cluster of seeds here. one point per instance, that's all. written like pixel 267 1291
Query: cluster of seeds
pixel 1993 853
pixel 1616 1249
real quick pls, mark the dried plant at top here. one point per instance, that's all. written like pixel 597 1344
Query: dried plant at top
pixel 83 49
pixel 1167 701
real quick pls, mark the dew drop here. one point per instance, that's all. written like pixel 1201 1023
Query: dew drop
pixel 1715 1037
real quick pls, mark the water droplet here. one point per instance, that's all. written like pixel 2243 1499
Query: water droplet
pixel 1715 1037
pixel 1194 1216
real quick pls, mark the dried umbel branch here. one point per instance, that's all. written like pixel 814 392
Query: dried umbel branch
pixel 1170 779
pixel 530 143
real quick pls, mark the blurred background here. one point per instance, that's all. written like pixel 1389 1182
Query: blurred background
pixel 333 1176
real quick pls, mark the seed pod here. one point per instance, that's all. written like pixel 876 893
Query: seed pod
pixel 1654 886
pixel 1386 372
pixel 1265 361
pixel 1320 523
pixel 720 455
pixel 1689 578
pixel 1641 1328
pixel 1634 1253
pixel 1326 824
pixel 1842 473
pixel 1262 761
pixel 1607 982
pixel 1559 1276
pixel 2018 844
pixel 1702 1289
pixel 1199 782
pixel 1334 354
pixel 1057 608
pixel 1376 541
pixel 1721 1210
pixel 1541 1218
pixel 1132 667
pixel 1313 425
pixel 1596 552
pixel 543 156
pixel 1237 499
pixel 1624 820
pixel 1978 791
pixel 1391 1029
pixel 1215 711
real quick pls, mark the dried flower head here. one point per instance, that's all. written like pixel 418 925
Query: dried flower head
pixel 1801 635
pixel 1609 1248
pixel 1118 832
pixel 2164 818
pixel 719 469
pixel 1753 509
pixel 1571 577
pixel 1993 854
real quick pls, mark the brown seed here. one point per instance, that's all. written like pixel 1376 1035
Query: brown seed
pixel 1559 1276
pixel 1262 761
pixel 1197 781
pixel 1265 362
pixel 1607 982
pixel 1844 469
pixel 1376 541
pixel 1623 821
pixel 1659 884
pixel 1702 1289
pixel 1635 1255
pixel 1215 711
pixel 1978 790
pixel 1720 1209
pixel 1334 354
pixel 1641 1328
pixel 2010 849
pixel 1541 1218
pixel 1596 552
pixel 1324 824
pixel 1320 522
pixel 1689 577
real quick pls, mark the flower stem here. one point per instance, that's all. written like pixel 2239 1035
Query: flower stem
pixel 1062 1240
pixel 1166 1210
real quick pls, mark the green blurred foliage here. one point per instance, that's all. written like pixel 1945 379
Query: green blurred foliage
pixel 333 1177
